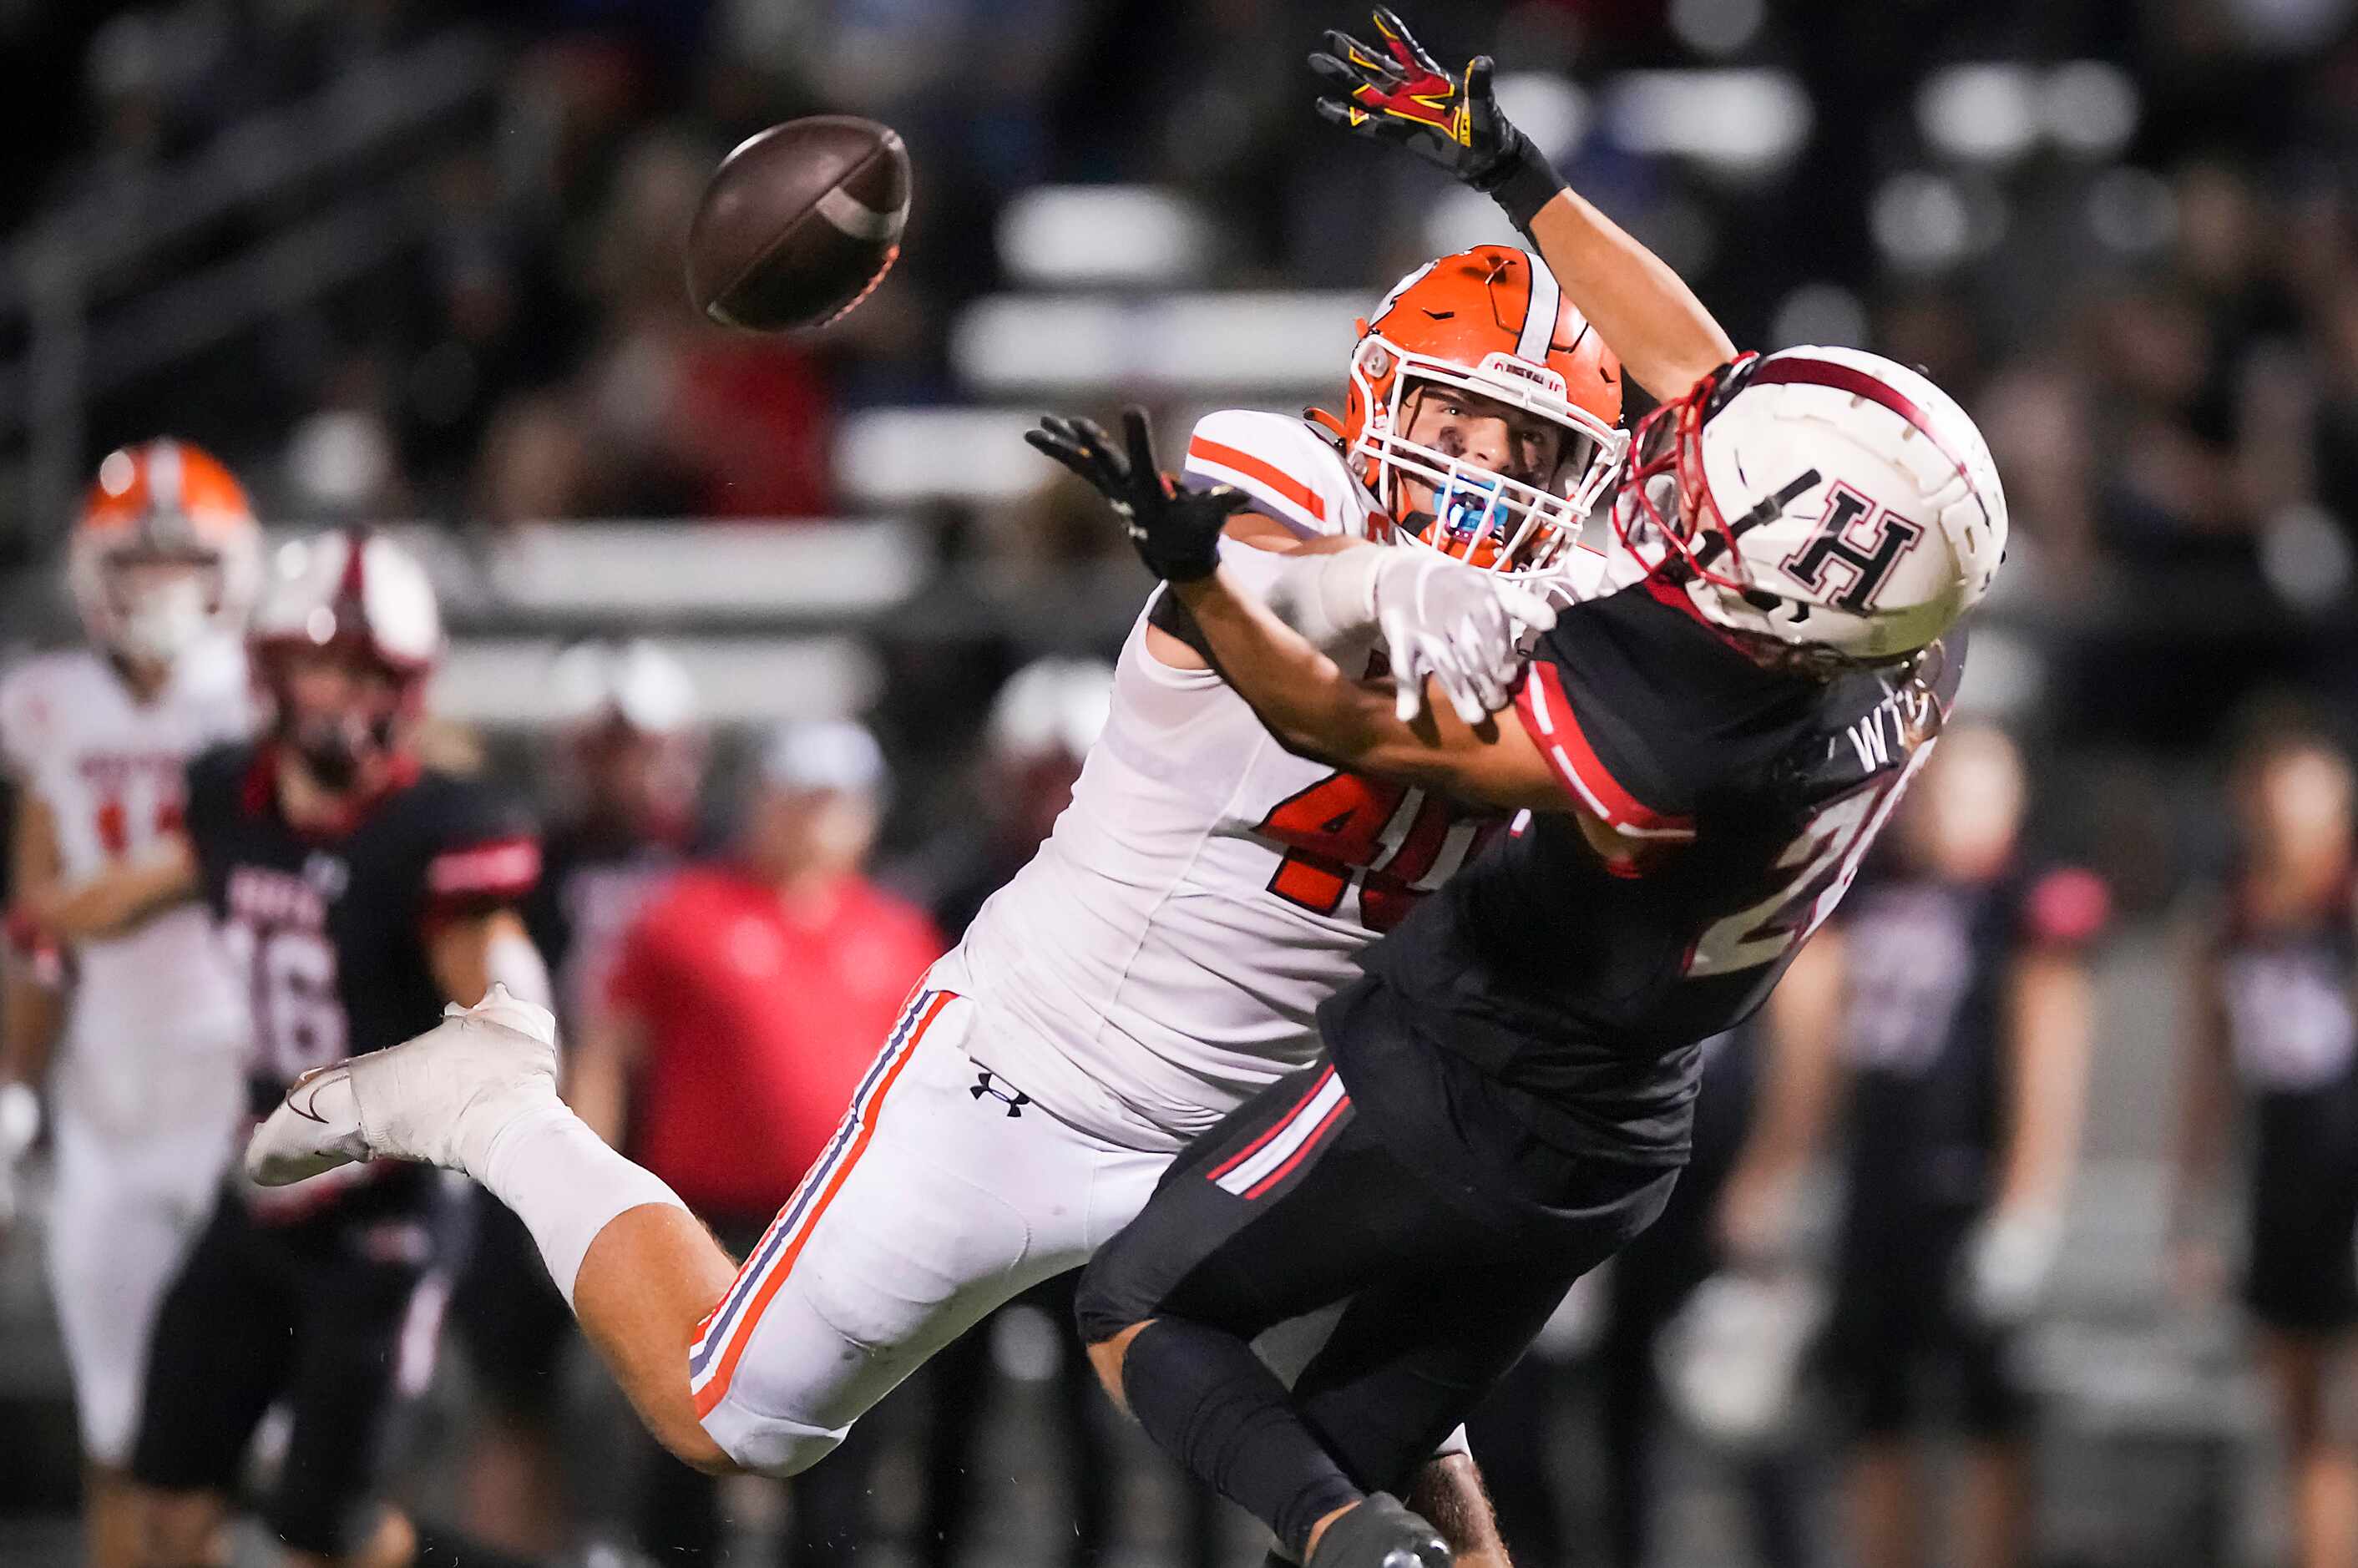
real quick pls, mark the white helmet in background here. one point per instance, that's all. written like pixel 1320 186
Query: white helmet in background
pixel 1826 501
pixel 354 587
pixel 165 551
pixel 638 684
pixel 359 593
pixel 1051 707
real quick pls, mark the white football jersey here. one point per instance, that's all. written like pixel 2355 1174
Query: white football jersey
pixel 110 769
pixel 1159 959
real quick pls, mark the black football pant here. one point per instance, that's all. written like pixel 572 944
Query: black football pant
pixel 1296 1203
pixel 319 1314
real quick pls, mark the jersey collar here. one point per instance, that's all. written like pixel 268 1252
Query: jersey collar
pixel 258 795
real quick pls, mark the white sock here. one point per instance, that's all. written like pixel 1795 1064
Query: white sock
pixel 565 1185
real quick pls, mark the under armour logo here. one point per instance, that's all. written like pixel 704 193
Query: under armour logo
pixel 985 1083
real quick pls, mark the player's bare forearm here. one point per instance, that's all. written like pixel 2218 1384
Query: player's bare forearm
pixel 469 953
pixel 1666 339
pixel 597 1072
pixel 118 898
pixel 1307 702
pixel 1298 692
pixel 32 1012
pixel 2049 1007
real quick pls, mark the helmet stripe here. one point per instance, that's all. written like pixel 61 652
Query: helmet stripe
pixel 1539 320
pixel 1847 378
pixel 165 476
pixel 1384 308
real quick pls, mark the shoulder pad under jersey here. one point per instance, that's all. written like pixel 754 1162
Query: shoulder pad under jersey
pixel 1290 468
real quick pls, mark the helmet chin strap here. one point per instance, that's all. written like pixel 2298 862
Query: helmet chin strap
pixel 1767 510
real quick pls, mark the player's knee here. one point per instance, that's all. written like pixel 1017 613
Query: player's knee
pixel 685 1439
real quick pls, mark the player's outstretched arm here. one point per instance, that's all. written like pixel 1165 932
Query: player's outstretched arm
pixel 1396 92
pixel 1298 692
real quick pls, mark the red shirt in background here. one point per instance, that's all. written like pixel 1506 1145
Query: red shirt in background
pixel 758 1023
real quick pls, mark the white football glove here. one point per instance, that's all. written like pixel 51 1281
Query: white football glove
pixel 2003 1268
pixel 1456 624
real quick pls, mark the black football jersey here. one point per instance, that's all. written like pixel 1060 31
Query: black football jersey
pixel 2292 1029
pixel 1741 800
pixel 330 931
pixel 1925 966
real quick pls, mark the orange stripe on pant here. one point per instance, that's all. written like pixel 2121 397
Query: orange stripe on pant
pixel 708 1398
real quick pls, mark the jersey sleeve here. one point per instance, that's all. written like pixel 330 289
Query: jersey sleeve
pixel 1291 470
pixel 1612 743
pixel 483 853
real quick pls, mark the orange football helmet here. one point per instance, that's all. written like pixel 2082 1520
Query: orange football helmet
pixel 166 551
pixel 1493 321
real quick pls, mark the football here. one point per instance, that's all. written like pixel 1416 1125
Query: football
pixel 799 224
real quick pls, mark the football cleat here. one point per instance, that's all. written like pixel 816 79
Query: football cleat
pixel 441 1097
pixel 1380 1533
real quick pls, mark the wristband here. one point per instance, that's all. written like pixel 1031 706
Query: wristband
pixel 1521 183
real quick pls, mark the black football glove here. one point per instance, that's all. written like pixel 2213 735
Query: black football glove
pixel 1176 530
pixel 1401 94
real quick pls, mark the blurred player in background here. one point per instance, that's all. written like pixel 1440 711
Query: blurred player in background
pixel 628 755
pixel 146 1095
pixel 740 1011
pixel 357 893
pixel 2272 1025
pixel 1951 992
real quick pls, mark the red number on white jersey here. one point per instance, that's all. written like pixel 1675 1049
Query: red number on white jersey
pixel 1394 841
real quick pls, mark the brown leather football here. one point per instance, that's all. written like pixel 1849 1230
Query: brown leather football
pixel 798 223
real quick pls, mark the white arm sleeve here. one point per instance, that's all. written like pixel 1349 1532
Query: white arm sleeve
pixel 1328 599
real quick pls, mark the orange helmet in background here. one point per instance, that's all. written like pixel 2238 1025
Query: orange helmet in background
pixel 166 551
pixel 1491 321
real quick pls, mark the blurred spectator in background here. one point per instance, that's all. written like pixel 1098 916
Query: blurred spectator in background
pixel 740 1009
pixel 1042 725
pixel 627 759
pixel 1954 983
pixel 2269 1012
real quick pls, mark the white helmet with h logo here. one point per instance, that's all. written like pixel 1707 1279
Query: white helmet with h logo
pixel 1825 501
